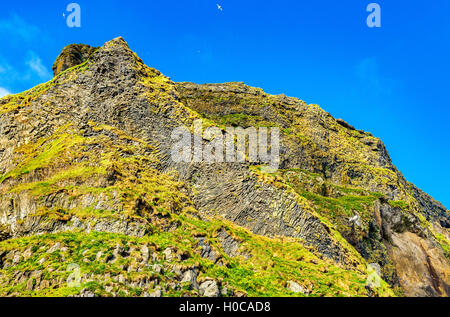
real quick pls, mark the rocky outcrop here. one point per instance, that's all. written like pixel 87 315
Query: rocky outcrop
pixel 420 266
pixel 72 55
pixel 432 209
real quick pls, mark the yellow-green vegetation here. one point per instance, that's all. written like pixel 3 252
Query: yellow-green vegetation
pixel 122 169
pixel 444 243
pixel 333 202
pixel 80 179
pixel 72 55
pixel 241 120
pixel 399 204
pixel 22 100
pixel 267 266
pixel 77 166
pixel 283 179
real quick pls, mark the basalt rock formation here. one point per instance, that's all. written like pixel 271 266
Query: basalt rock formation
pixel 91 203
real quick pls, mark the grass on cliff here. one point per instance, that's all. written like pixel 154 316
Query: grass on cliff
pixel 140 193
pixel 340 202
pixel 25 99
pixel 66 163
pixel 79 167
pixel 241 120
pixel 264 271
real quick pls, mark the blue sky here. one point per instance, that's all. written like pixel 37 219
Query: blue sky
pixel 392 81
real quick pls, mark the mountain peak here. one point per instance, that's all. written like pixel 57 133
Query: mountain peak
pixel 118 41
pixel 76 54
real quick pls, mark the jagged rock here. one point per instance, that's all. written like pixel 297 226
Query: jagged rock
pixel 345 124
pixel 157 268
pixel 230 245
pixel 120 252
pixel 109 289
pixel 191 277
pixel 72 55
pixel 296 288
pixel 86 293
pixel 207 252
pixel 177 269
pixel 168 253
pixel 121 279
pixel 16 258
pixel 4 232
pixel 30 285
pixel 44 284
pixel 156 293
pixel 28 254
pixel 55 247
pixel 145 254
pixel 209 289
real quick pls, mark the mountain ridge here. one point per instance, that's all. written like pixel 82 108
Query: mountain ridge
pixel 89 152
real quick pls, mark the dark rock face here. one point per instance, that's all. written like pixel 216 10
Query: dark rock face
pixel 72 55
pixel 329 171
pixel 432 209
pixel 265 210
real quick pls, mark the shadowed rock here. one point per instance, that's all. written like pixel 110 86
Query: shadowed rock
pixel 90 152
pixel 72 55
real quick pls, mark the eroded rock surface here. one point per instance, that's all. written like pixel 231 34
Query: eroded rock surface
pixel 86 157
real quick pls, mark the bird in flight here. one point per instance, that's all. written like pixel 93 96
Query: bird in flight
pixel 219 7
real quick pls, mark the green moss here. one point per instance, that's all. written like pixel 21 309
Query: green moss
pixel 241 120
pixel 399 204
pixel 42 154
pixel 445 244
pixel 123 171
pixel 80 171
pixel 268 264
pixel 342 205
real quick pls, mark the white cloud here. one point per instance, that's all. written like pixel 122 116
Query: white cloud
pixel 4 92
pixel 15 26
pixel 21 68
pixel 27 73
pixel 8 74
pixel 35 63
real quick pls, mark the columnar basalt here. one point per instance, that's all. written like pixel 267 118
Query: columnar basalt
pixel 87 178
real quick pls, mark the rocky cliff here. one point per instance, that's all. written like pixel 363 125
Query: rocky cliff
pixel 91 203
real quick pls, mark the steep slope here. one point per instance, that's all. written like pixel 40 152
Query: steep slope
pixel 340 172
pixel 88 185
